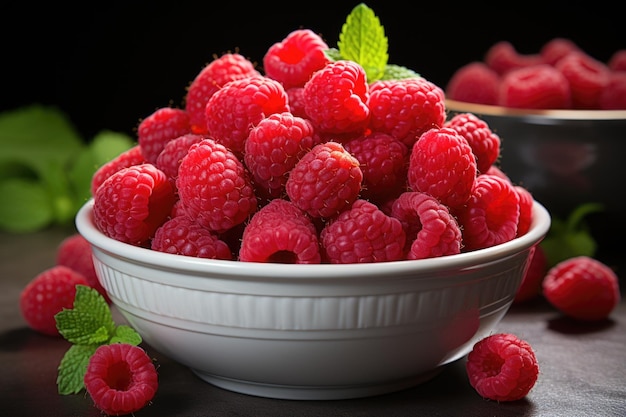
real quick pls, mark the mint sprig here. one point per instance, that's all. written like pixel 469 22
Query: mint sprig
pixel 88 325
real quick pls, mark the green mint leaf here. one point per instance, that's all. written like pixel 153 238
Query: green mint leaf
pixel 30 207
pixel 125 334
pixel 362 40
pixel 89 322
pixel 73 367
pixel 397 72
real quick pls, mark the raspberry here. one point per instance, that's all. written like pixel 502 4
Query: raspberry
pixel 128 158
pixel 530 287
pixel 556 48
pixel 241 104
pixel 181 235
pixel 485 143
pixel 293 60
pixel 120 378
pixel 335 98
pixel 47 294
pixel 443 165
pixel 587 78
pixel 474 83
pixel 502 57
pixel 325 181
pixel 280 232
pixel 502 367
pixel 296 101
pixel 406 108
pixel 169 159
pixel 160 127
pixel 361 234
pixel 613 96
pixel 430 228
pixel 583 288
pixel 75 252
pixel 214 187
pixel 491 214
pixel 132 203
pixel 384 161
pixel 217 73
pixel 535 87
pixel 525 209
pixel 617 61
pixel 272 149
pixel 494 170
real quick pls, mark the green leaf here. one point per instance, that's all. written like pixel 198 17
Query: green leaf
pixel 397 72
pixel 30 207
pixel 72 369
pixel 89 322
pixel 125 334
pixel 362 40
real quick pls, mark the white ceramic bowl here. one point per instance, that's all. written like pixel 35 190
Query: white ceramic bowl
pixel 312 332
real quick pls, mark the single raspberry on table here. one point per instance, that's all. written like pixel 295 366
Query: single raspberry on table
pixel 121 378
pixel 336 96
pixel 535 87
pixel 214 187
pixel 406 108
pixel 181 235
pixel 169 159
pixel 128 158
pixel 280 232
pixel 442 164
pixel 325 181
pixel 48 293
pixel 293 60
pixel 132 203
pixel 583 288
pixel 361 234
pixel 502 367
pixel 431 230
pixel 217 73
pixel 474 83
pixel 530 287
pixel 161 126
pixel 484 142
pixel 502 57
pixel 556 48
pixel 232 111
pixel 587 78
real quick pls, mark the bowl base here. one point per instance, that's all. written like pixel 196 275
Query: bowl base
pixel 298 392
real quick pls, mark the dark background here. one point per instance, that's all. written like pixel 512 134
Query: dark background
pixel 108 65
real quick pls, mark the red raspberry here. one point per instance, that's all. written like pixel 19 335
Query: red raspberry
pixel 128 158
pixel 293 60
pixel 406 108
pixel 530 287
pixel 335 98
pixel 120 378
pixel 325 181
pixel 430 228
pixel 181 235
pixel 525 209
pixel 587 78
pixel 502 367
pixel 280 232
pixel 474 83
pixel 361 234
pixel 443 165
pixel 384 160
pixel 160 127
pixel 613 97
pixel 502 57
pixel 617 61
pixel 491 214
pixel 556 48
pixel 535 87
pixel 47 294
pixel 273 148
pixel 241 104
pixel 214 187
pixel 169 159
pixel 75 252
pixel 296 101
pixel 485 143
pixel 132 203
pixel 494 170
pixel 583 288
pixel 216 74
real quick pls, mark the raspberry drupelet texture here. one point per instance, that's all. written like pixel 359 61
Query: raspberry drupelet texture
pixel 241 104
pixel 121 379
pixel 363 233
pixel 443 165
pixel 325 181
pixel 169 159
pixel 130 157
pixel 280 232
pixel 406 108
pixel 502 367
pixel 474 83
pixel 160 127
pixel 535 87
pixel 214 187
pixel 293 60
pixel 132 203
pixel 431 230
pixel 223 69
pixel 484 142
pixel 525 210
pixel 336 96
